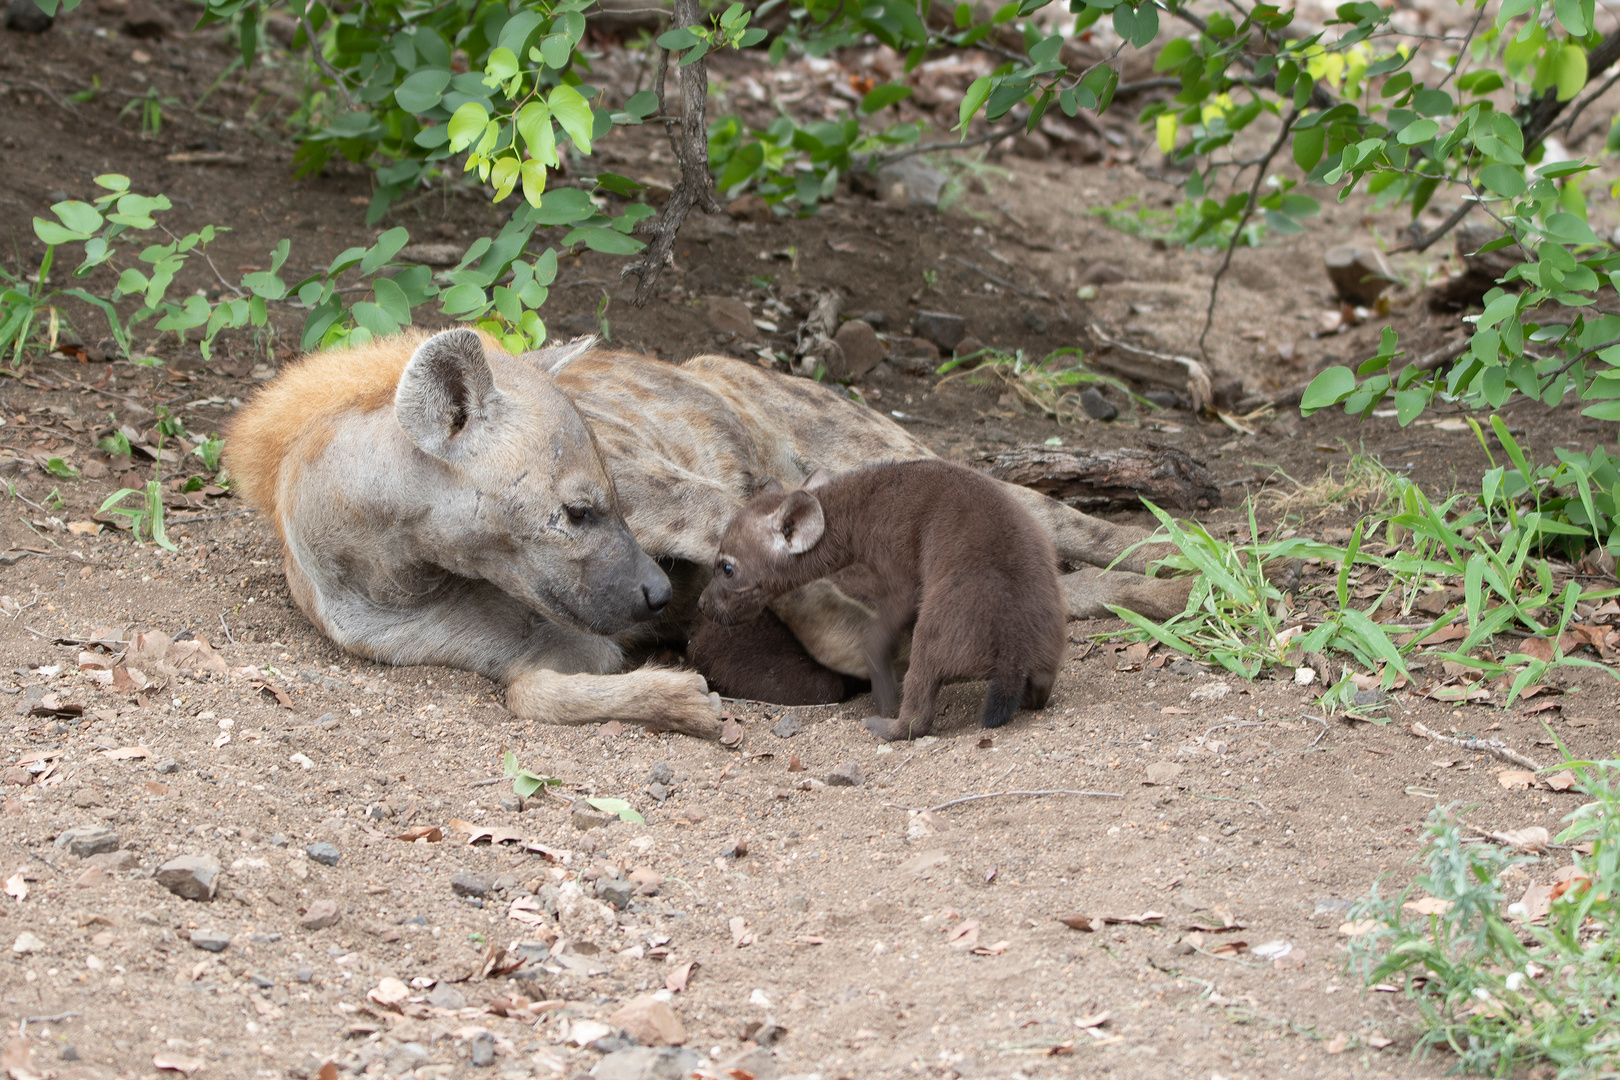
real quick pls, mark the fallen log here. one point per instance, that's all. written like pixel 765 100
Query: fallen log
pixel 1095 479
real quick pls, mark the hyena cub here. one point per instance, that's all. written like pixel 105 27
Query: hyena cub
pixel 947 549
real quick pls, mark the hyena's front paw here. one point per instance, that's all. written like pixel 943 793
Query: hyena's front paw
pixel 893 729
pixel 671 700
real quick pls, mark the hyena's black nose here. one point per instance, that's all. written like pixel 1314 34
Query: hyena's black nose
pixel 656 595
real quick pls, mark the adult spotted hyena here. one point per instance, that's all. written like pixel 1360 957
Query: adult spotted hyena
pixel 545 519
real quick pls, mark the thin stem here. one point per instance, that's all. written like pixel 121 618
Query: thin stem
pixel 322 62
pixel 1462 53
pixel 1237 234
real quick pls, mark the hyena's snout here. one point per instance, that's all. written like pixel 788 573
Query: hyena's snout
pixel 652 590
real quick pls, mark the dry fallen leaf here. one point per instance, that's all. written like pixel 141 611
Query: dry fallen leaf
pixel 1428 905
pixel 1516 779
pixel 1080 922
pixel 1356 929
pixel 126 753
pixel 1230 948
pixel 1377 1041
pixel 677 979
pixel 731 733
pixel 992 950
pixel 431 833
pixel 806 939
pixel 1562 781
pixel 530 910
pixel 964 935
pixel 18 1060
pixel 1533 838
pixel 741 936
pixel 493 834
pixel 329 1071
pixel 1338 1044
pixel 16 886
pixel 176 1062
pixel 389 993
pixel 1094 1020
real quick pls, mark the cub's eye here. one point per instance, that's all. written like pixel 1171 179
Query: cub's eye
pixel 727 568
pixel 578 514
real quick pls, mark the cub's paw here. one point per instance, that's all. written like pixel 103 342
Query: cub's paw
pixel 893 729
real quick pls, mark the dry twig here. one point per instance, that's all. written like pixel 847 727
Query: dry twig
pixel 1000 794
pixel 1484 746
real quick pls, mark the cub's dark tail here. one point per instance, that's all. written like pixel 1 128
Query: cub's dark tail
pixel 1002 701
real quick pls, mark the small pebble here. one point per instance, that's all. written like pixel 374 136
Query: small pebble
pixel 662 773
pixel 483 1050
pixel 320 915
pixel 210 940
pixel 469 884
pixel 444 996
pixel 846 775
pixel 192 877
pixel 323 853
pixel 304 974
pixel 167 766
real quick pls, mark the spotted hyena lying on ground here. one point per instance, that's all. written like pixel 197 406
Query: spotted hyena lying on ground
pixel 443 502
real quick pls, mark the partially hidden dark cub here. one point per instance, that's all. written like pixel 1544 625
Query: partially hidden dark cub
pixel 946 550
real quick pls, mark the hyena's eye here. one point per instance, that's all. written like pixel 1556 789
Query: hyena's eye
pixel 727 568
pixel 578 514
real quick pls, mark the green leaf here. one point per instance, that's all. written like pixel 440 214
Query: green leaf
pixel 642 104
pixel 1571 17
pixel 1603 410
pixel 1418 131
pixel 467 124
pixel 679 38
pixel 555 49
pixel 1308 147
pixel 53 234
pixel 1432 103
pixel 619 807
pixel 501 66
pixel 881 97
pixel 571 111
pixel 422 90
pixel 608 241
pixel 1175 53
pixel 1329 388
pixel 534 181
pixel 1569 71
pixel 1503 180
pixel 374 319
pixel 387 246
pixel 392 300
pixel 534 127
pixel 78 216
pixel 462 299
pixel 978 90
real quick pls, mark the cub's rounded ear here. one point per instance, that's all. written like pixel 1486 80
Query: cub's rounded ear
pixel 818 479
pixel 553 358
pixel 798 523
pixel 443 390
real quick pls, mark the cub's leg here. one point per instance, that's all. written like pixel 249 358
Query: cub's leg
pixel 881 638
pixel 923 680
pixel 1038 689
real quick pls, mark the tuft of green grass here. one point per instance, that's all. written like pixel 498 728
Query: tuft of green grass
pixel 1501 985
pixel 1046 384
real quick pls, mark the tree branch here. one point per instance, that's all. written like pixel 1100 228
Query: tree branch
pixel 690 141
pixel 322 62
pixel 1237 234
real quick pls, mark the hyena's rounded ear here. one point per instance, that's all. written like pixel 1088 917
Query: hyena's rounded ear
pixel 553 358
pixel 443 389
pixel 773 486
pixel 818 479
pixel 798 523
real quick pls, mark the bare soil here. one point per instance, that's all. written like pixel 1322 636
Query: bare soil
pixel 836 913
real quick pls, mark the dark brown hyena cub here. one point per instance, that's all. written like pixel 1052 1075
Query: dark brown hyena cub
pixel 947 549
